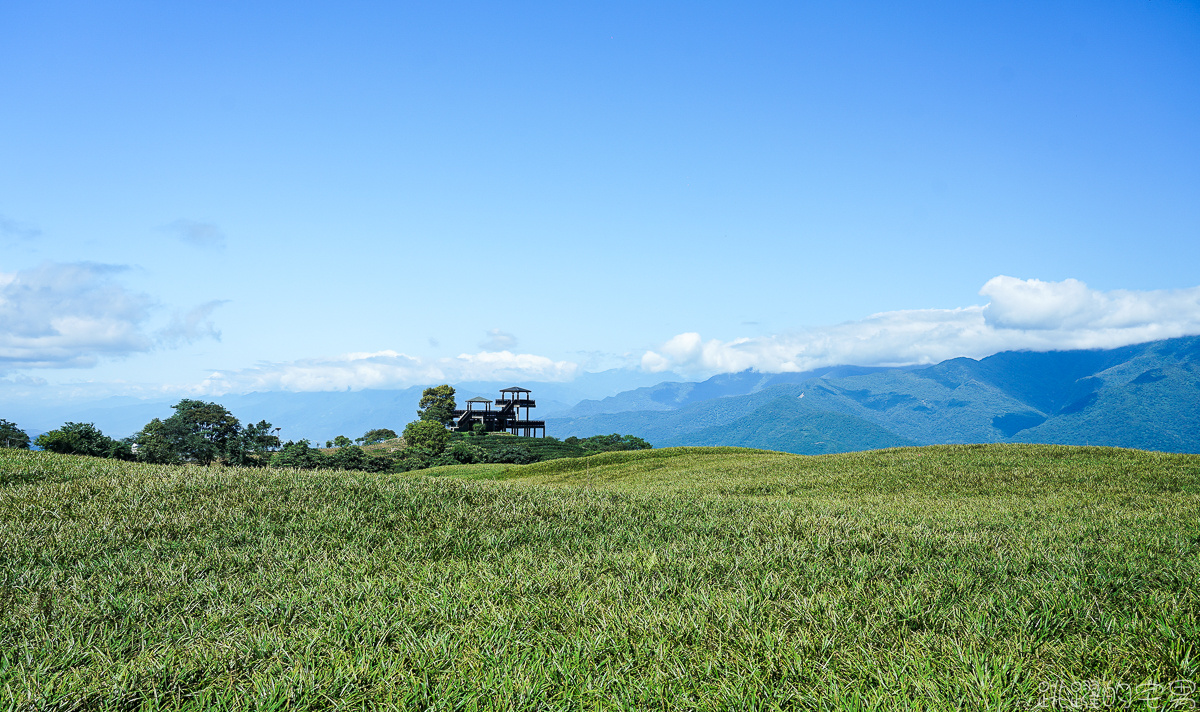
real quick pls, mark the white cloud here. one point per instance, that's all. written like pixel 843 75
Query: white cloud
pixel 1021 315
pixel 386 369
pixel 70 315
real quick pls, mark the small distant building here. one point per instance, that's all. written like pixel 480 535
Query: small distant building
pixel 504 417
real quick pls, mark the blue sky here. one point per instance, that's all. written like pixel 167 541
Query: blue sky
pixel 223 197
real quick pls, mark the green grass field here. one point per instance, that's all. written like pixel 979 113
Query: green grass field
pixel 962 577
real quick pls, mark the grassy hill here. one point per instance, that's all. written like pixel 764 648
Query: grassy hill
pixel 957 577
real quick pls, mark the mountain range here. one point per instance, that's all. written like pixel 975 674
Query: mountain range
pixel 1142 396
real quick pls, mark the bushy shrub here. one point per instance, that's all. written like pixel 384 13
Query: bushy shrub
pixel 466 453
pixel 609 443
pixel 512 455
pixel 426 435
pixel 416 458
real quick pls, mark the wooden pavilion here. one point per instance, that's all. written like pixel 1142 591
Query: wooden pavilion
pixel 506 416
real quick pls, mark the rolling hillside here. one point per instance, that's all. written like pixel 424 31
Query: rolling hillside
pixel 959 577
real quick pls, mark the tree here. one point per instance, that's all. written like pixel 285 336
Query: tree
pixel 349 457
pixel 427 435
pixel 258 441
pixel 299 455
pixel 12 436
pixel 210 430
pixel 204 433
pixel 80 439
pixel 437 405
pixel 156 443
pixel 377 435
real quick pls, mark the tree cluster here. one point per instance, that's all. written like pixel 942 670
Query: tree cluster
pixel 609 443
pixel 84 439
pixel 301 455
pixel 204 433
pixel 425 438
pixel 12 436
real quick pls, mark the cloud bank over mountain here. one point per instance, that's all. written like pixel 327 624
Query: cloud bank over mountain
pixel 386 369
pixel 1020 315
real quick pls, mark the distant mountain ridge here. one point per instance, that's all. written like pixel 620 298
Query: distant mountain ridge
pixel 1143 396
pixel 670 395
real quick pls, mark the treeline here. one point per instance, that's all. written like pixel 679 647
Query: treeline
pixel 481 447
pixel 204 433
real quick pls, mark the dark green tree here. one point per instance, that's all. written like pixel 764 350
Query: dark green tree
pixel 371 437
pixel 437 405
pixel 346 457
pixel 80 439
pixel 343 441
pixel 632 442
pixel 607 443
pixel 156 443
pixel 203 433
pixel 300 455
pixel 12 436
pixel 210 431
pixel 258 442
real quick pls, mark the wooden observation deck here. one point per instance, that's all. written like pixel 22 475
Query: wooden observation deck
pixel 505 417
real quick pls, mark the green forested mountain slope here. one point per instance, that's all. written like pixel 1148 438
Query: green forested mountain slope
pixel 1144 396
pixel 786 424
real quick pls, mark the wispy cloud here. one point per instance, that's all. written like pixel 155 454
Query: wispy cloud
pixel 197 233
pixel 191 326
pixel 13 230
pixel 1021 315
pixel 69 315
pixel 498 340
pixel 386 369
